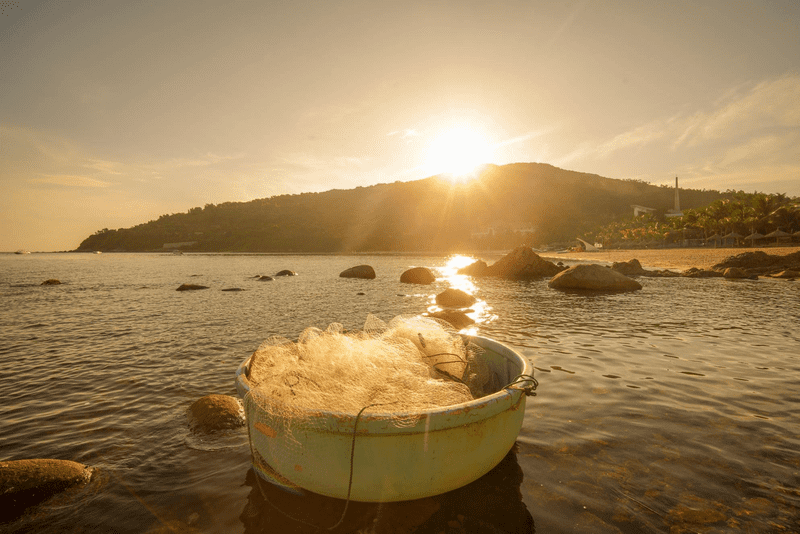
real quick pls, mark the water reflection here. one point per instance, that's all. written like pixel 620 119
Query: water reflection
pixel 493 503
pixel 480 312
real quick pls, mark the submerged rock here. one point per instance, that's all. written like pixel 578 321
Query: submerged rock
pixel 455 298
pixel 24 483
pixel 286 272
pixel 216 412
pixel 190 287
pixel 735 273
pixel 359 271
pixel 265 278
pixel 457 319
pixel 593 277
pixel 418 275
pixel 233 289
pixel 694 272
pixel 51 282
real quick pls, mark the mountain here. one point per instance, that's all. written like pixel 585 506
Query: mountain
pixel 523 202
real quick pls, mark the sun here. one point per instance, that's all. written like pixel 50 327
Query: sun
pixel 457 152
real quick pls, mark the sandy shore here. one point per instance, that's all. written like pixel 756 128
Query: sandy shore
pixel 672 258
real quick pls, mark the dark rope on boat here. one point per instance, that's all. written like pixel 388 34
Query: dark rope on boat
pixel 528 383
pixel 352 460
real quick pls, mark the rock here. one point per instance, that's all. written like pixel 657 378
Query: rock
pixel 286 272
pixel 474 269
pixel 759 262
pixel 522 263
pixel 233 289
pixel 593 277
pixel 24 483
pixel 265 278
pixel 455 298
pixel 735 273
pixel 359 271
pixel 458 319
pixel 51 282
pixel 694 272
pixel 629 268
pixel 787 274
pixel 190 287
pixel 418 275
pixel 216 412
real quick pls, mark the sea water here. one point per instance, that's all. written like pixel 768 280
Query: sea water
pixel 670 409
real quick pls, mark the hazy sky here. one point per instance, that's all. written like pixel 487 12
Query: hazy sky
pixel 115 112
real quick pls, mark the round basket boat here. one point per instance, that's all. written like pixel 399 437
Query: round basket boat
pixel 372 459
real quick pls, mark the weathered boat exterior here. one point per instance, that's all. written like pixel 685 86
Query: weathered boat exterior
pixel 441 450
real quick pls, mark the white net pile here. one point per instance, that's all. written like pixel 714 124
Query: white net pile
pixel 407 365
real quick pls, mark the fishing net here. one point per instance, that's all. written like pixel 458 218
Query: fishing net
pixel 408 365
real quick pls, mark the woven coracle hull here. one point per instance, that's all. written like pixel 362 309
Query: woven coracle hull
pixel 385 457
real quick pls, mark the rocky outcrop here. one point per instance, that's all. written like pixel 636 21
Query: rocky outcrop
pixel 190 287
pixel 455 298
pixel 51 282
pixel 629 268
pixel 761 263
pixel 457 319
pixel 522 263
pixel 216 412
pixel 418 275
pixel 24 483
pixel 286 272
pixel 788 274
pixel 474 269
pixel 593 277
pixel 359 271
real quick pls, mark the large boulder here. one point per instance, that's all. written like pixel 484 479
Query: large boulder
pixel 474 269
pixel 629 268
pixel 593 277
pixel 418 275
pixel 359 271
pixel 24 483
pixel 455 298
pixel 522 263
pixel 216 412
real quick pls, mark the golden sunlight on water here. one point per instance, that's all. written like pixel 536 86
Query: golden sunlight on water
pixel 480 311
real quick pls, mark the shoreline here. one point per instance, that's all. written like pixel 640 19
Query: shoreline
pixel 670 258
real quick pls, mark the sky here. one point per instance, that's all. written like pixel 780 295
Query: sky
pixel 115 112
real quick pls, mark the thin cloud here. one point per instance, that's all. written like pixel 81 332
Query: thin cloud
pixel 69 180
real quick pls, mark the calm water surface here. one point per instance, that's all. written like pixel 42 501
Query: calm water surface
pixel 670 409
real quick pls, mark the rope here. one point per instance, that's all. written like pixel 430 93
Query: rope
pixel 529 381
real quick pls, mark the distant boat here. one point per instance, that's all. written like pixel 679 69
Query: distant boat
pixel 589 247
pixel 22 252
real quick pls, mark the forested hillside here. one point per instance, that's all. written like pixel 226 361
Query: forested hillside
pixel 506 205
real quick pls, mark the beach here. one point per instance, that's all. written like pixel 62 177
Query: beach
pixel 670 258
